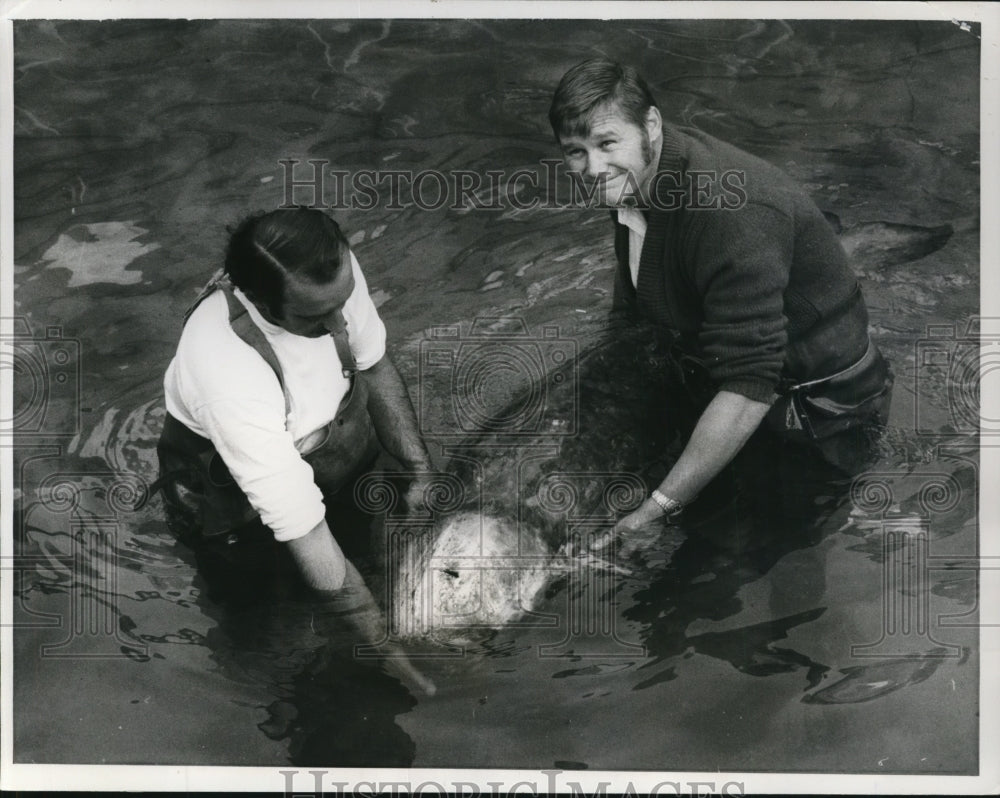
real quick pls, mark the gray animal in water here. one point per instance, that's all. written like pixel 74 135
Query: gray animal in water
pixel 469 578
pixel 580 443
pixel 573 444
pixel 576 446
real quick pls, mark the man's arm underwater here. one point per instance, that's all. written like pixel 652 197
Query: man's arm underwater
pixel 346 596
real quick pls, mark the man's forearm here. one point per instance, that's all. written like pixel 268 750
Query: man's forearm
pixel 724 427
pixel 722 430
pixel 347 598
pixel 392 414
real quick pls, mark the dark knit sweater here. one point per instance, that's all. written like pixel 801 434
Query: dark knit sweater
pixel 759 292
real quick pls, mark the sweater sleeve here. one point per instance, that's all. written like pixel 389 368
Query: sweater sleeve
pixel 742 260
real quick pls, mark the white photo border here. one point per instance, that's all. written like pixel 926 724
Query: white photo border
pixel 277 779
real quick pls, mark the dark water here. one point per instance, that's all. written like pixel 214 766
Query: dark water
pixel 136 142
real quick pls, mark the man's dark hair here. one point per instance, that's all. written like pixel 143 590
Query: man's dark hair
pixel 265 248
pixel 596 82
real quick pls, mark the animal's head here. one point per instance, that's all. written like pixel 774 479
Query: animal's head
pixel 480 573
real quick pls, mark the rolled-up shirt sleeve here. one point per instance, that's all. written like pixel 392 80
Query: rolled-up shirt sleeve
pixel 365 329
pixel 235 400
pixel 261 457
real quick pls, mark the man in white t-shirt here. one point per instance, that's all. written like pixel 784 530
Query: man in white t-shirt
pixel 279 397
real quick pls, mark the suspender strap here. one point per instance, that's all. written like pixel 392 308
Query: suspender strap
pixel 251 335
pixel 218 280
pixel 340 340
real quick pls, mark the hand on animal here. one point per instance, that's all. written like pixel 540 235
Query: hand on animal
pixel 416 494
pixel 633 529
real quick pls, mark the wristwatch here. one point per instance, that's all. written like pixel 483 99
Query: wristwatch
pixel 670 507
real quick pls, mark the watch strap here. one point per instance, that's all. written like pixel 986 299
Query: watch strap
pixel 669 506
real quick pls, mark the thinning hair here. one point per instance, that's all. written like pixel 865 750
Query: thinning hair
pixel 264 248
pixel 596 83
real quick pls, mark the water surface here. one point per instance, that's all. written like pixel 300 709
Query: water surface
pixel 136 142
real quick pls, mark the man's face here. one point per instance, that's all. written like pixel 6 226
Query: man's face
pixel 616 151
pixel 310 308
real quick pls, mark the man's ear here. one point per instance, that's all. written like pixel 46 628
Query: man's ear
pixel 654 123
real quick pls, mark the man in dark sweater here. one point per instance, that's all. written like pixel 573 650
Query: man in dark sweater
pixel 721 248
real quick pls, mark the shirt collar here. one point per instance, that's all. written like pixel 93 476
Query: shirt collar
pixel 264 325
pixel 633 219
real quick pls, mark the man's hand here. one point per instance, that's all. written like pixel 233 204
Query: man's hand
pixel 416 493
pixel 635 529
pixel 647 513
pixel 396 426
pixel 724 426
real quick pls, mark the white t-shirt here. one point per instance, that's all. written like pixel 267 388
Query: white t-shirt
pixel 220 388
pixel 633 219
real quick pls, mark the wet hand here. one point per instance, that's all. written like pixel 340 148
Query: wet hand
pixel 647 514
pixel 399 665
pixel 416 495
pixel 410 674
pixel 634 529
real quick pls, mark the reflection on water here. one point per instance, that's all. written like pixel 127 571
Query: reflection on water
pixel 725 645
pixel 98 253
